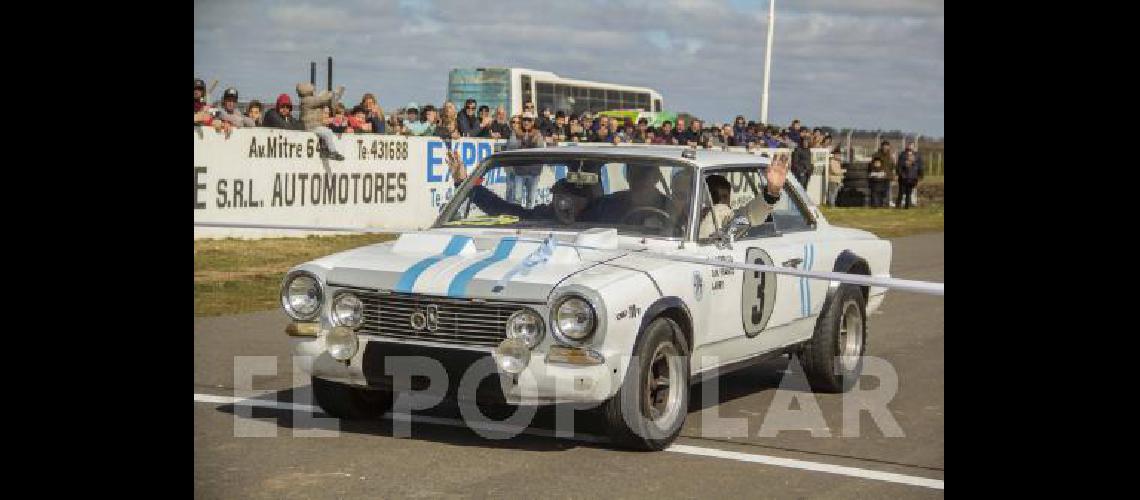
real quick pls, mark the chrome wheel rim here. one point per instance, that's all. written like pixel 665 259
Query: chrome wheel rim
pixel 850 339
pixel 661 400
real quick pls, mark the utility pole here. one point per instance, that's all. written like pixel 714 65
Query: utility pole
pixel 768 61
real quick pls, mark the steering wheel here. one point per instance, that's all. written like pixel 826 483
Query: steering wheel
pixel 666 219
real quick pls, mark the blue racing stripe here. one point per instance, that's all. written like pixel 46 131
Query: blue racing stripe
pixel 803 287
pixel 807 283
pixel 408 279
pixel 459 284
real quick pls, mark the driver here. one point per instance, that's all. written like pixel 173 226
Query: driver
pixel 757 210
pixel 609 209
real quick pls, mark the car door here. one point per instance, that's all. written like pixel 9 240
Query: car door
pixel 744 305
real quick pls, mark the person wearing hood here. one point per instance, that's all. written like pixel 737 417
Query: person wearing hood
pixel 313 118
pixel 281 116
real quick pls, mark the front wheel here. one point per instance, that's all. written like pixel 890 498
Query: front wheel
pixel 348 402
pixel 650 407
pixel 833 358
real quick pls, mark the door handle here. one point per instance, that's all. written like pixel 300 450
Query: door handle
pixel 794 262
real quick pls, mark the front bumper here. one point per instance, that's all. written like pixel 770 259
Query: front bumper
pixel 539 383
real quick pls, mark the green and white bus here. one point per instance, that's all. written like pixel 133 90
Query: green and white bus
pixel 511 87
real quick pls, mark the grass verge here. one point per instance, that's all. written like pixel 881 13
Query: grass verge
pixel 889 222
pixel 235 276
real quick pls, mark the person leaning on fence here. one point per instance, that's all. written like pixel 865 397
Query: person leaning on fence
pixel 253 112
pixel 229 112
pixel 665 135
pixel 311 116
pixel 281 116
pixel 468 120
pixel 338 122
pixel 448 127
pixel 358 121
pixel 578 131
pixel 640 134
pixel 527 136
pixel 373 114
pixel 561 130
pixel 485 122
pixel 501 126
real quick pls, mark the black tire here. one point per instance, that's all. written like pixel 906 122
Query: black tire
pixel 820 357
pixel 348 402
pixel 626 413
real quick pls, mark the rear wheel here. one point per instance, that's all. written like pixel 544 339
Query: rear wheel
pixel 833 358
pixel 348 402
pixel 650 407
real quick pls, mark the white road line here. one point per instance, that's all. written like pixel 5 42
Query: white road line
pixel 812 466
pixel 891 477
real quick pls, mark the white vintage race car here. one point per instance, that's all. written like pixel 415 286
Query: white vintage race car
pixel 589 275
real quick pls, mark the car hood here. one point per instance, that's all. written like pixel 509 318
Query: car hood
pixel 495 266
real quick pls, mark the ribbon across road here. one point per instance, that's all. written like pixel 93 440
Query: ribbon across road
pixel 924 287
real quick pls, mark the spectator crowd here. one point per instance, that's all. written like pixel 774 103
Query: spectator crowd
pixel 326 116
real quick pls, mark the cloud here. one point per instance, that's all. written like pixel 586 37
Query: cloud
pixel 841 63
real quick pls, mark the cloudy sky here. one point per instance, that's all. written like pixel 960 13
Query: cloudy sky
pixel 860 63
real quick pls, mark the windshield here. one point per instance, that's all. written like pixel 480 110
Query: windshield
pixel 641 197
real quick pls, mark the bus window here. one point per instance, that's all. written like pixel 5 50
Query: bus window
pixel 545 93
pixel 657 105
pixel 597 100
pixel 527 94
pixel 643 101
pixel 628 100
pixel 581 99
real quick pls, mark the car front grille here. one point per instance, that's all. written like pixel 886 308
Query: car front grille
pixel 460 321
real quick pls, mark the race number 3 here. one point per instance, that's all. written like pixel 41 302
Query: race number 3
pixel 758 293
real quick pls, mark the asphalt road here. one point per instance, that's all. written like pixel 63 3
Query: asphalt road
pixel 445 459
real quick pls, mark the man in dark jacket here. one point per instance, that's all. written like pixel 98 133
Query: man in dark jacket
pixel 884 155
pixel 909 173
pixel 801 161
pixel 281 116
pixel 468 120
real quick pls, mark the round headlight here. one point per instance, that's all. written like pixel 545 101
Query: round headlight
pixel 347 310
pixel 512 356
pixel 341 343
pixel 574 319
pixel 525 326
pixel 301 296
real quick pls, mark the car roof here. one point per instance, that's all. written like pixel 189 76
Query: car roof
pixel 703 157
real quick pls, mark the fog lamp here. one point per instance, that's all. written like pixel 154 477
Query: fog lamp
pixel 341 343
pixel 512 356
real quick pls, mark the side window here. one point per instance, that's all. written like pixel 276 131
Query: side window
pixel 527 91
pixel 789 214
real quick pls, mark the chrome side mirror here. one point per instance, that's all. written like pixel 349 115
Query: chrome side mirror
pixel 738 227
